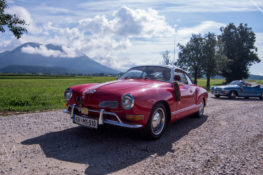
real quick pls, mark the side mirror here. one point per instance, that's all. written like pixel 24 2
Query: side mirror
pixel 177 91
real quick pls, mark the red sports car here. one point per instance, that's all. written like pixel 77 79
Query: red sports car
pixel 145 97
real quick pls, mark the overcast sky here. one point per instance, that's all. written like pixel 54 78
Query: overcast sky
pixel 121 34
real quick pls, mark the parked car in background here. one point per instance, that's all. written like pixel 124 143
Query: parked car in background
pixel 238 88
pixel 145 97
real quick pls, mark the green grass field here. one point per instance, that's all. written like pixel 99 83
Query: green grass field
pixel 213 82
pixel 37 93
pixel 24 93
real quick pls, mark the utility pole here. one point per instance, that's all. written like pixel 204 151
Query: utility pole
pixel 174 50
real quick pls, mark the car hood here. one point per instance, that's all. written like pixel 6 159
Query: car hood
pixel 115 87
pixel 93 94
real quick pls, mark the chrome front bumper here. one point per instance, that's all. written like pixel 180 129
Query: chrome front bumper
pixel 101 119
pixel 220 92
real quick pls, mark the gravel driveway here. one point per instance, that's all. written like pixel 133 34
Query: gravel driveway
pixel 227 140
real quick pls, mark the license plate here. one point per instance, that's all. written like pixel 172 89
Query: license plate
pixel 90 123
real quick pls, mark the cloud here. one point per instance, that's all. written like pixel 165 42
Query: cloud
pixel 117 37
pixel 102 38
pixel 22 13
pixel 141 23
pixel 188 6
pixel 184 34
pixel 128 23
pixel 42 50
pixel 257 68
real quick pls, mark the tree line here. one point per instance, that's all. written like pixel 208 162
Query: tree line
pixel 229 54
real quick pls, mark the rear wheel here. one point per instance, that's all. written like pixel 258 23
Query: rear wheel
pixel 156 123
pixel 217 96
pixel 232 95
pixel 261 97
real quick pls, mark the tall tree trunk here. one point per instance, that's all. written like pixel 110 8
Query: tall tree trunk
pixel 195 81
pixel 207 81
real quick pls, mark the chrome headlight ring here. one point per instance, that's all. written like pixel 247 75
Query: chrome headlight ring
pixel 127 101
pixel 68 94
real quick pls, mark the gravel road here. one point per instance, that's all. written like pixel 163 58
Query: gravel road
pixel 227 140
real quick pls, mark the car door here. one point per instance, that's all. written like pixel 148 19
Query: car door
pixel 187 100
pixel 249 91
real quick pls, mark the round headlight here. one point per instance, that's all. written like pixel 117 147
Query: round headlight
pixel 68 94
pixel 127 101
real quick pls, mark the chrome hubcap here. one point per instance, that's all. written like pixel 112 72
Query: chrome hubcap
pixel 158 121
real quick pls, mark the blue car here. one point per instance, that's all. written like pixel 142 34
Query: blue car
pixel 238 88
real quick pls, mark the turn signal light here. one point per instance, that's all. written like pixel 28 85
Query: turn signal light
pixel 135 117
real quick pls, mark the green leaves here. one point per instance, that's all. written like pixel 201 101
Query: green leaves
pixel 190 56
pixel 238 47
pixel 14 24
pixel 229 54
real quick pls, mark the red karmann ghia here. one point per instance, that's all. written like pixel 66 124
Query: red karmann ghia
pixel 145 97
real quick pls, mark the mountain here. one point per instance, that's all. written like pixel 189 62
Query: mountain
pixel 250 77
pixel 12 61
pixel 255 77
pixel 21 69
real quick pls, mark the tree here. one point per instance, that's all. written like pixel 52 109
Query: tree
pixel 166 58
pixel 11 21
pixel 209 63
pixel 190 56
pixel 238 47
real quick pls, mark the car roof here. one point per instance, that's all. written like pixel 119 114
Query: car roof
pixel 165 66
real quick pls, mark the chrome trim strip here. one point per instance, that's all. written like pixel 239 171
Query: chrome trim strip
pixel 185 109
pixel 111 122
pixel 72 110
pixel 102 120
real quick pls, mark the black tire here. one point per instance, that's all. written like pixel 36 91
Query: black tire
pixel 261 97
pixel 217 96
pixel 232 94
pixel 201 111
pixel 156 126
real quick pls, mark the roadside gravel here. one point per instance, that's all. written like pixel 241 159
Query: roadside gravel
pixel 227 140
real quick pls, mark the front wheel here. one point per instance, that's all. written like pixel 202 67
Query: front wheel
pixel 201 111
pixel 232 95
pixel 156 123
pixel 261 97
pixel 217 96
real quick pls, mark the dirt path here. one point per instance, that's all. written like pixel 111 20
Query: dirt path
pixel 227 140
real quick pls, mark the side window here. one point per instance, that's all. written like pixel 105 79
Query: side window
pixel 182 77
pixel 188 79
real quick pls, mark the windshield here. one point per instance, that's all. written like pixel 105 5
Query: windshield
pixel 236 82
pixel 148 72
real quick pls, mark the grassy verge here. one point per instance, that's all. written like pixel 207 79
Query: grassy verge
pixel 28 93
pixel 213 82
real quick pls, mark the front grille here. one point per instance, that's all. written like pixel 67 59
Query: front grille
pixel 78 100
pixel 108 104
